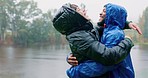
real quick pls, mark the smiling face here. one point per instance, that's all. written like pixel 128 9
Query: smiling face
pixel 81 11
pixel 102 15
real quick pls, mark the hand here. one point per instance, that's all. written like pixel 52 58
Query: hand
pixel 72 60
pixel 135 27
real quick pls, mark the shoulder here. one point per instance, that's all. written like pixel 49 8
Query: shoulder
pixel 79 35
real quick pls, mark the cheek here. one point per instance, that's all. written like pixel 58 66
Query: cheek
pixel 81 13
pixel 104 14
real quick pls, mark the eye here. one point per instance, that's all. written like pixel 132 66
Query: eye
pixel 77 9
pixel 104 10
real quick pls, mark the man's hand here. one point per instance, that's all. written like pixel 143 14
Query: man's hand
pixel 135 27
pixel 72 60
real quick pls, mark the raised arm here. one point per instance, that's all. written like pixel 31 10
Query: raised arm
pixel 131 25
pixel 128 25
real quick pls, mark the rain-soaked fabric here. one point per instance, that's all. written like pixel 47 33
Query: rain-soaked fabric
pixel 112 35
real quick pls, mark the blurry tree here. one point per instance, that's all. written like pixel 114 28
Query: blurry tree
pixel 145 33
pixel 4 18
pixel 21 13
pixel 143 23
pixel 27 23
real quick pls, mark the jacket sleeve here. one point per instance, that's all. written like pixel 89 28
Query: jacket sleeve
pixel 86 45
pixel 127 25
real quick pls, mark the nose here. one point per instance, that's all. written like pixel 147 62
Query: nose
pixel 100 14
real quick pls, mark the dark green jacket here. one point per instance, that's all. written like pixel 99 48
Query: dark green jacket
pixel 85 45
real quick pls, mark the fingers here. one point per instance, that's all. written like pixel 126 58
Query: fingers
pixel 72 60
pixel 71 57
pixel 135 27
pixel 139 30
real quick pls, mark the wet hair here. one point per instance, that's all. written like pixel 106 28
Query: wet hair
pixel 74 6
pixel 105 5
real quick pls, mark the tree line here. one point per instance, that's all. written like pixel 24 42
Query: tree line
pixel 143 23
pixel 22 22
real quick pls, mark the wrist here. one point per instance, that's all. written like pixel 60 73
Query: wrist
pixel 127 25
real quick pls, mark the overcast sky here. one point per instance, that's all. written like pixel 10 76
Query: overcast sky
pixel 94 7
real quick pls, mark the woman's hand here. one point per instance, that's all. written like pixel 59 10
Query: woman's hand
pixel 72 60
pixel 135 27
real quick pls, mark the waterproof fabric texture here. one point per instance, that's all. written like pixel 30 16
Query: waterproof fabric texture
pixel 113 34
pixel 67 21
pixel 84 41
pixel 90 69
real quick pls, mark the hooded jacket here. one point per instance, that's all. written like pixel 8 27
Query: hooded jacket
pixel 84 40
pixel 67 21
pixel 115 21
pixel 113 34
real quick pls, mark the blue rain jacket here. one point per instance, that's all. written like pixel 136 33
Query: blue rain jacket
pixel 112 35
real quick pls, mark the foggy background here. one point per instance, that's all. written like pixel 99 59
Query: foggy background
pixel 134 7
pixel 30 47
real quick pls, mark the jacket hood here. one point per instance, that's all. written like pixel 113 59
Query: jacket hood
pixel 115 15
pixel 67 20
